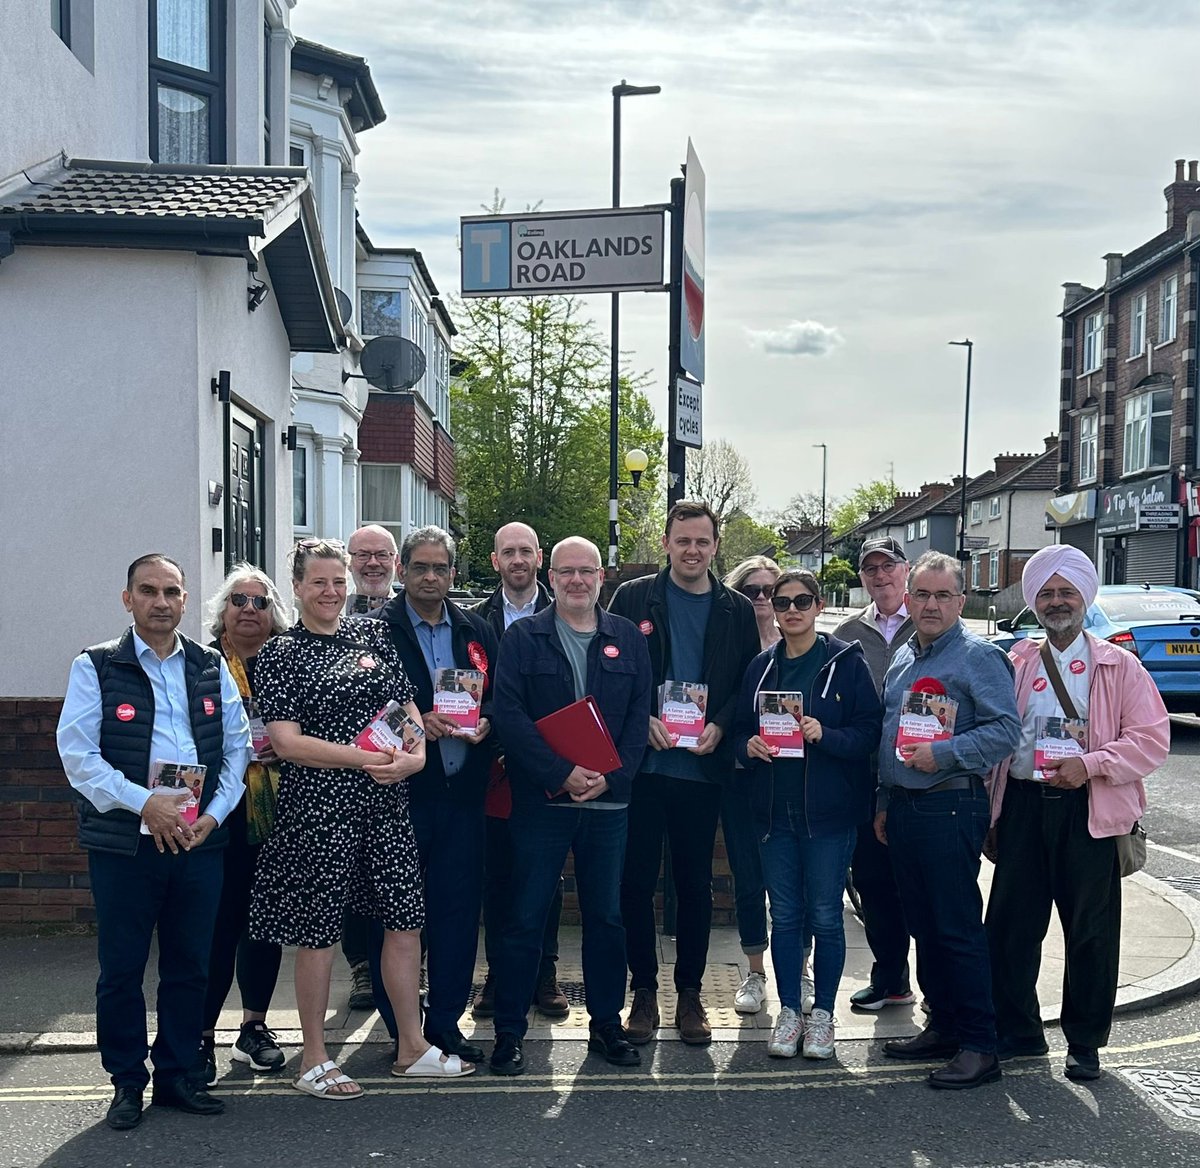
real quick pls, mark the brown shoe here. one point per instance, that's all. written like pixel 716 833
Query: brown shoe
pixel 485 1003
pixel 549 998
pixel 691 1019
pixel 643 1017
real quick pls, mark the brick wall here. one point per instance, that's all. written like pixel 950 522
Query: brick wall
pixel 43 872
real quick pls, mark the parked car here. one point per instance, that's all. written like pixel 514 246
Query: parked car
pixel 1160 624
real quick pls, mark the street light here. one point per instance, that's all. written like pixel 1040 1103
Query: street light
pixel 963 554
pixel 824 463
pixel 636 461
pixel 614 384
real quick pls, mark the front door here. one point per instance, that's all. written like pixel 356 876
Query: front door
pixel 245 512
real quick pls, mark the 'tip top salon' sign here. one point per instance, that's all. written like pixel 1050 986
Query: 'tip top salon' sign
pixel 1119 507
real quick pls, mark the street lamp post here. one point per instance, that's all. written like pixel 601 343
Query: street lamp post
pixel 963 554
pixel 824 464
pixel 614 385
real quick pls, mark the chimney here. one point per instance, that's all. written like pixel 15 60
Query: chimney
pixel 1073 292
pixel 1183 195
pixel 1007 463
pixel 1112 271
pixel 1051 441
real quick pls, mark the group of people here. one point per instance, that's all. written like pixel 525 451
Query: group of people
pixel 307 833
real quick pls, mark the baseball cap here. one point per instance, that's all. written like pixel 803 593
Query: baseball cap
pixel 885 544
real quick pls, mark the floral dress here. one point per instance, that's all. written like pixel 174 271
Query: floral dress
pixel 339 836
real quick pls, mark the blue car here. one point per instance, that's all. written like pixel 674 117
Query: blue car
pixel 1160 624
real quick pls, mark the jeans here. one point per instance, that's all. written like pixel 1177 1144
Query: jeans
pixel 684 812
pixel 542 838
pixel 935 840
pixel 450 843
pixel 882 912
pixel 134 896
pixel 741 849
pixel 806 878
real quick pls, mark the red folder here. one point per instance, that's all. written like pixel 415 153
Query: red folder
pixel 578 733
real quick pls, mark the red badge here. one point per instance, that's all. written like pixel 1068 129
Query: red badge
pixel 478 657
pixel 611 651
pixel 365 662
pixel 646 627
pixel 210 707
pixel 1077 666
pixel 1040 684
pixel 126 712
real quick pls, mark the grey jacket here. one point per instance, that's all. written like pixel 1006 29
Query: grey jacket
pixel 879 653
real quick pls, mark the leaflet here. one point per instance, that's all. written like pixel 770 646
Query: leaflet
pixel 779 714
pixel 681 706
pixel 458 694
pixel 390 729
pixel 924 717
pixel 1056 738
pixel 179 776
pixel 259 738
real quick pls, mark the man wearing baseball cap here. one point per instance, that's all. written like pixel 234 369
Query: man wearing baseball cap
pixel 880 628
pixel 1057 824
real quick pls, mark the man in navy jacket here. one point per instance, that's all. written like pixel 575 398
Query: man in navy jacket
pixel 548 661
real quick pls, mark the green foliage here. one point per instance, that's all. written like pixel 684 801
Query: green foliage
pixel 742 537
pixel 877 495
pixel 838 574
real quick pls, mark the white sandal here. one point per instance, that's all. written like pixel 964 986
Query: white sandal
pixel 317 1080
pixel 434 1064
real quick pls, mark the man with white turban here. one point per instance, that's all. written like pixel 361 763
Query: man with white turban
pixel 1055 837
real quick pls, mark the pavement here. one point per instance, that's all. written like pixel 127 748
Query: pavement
pixel 50 983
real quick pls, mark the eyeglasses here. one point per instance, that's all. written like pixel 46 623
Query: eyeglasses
pixel 419 569
pixel 365 557
pixel 240 600
pixel 311 544
pixel 803 601
pixel 585 574
pixel 940 598
pixel 874 569
pixel 754 591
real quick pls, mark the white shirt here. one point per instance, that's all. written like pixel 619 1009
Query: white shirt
pixel 1043 701
pixel 889 626
pixel 514 613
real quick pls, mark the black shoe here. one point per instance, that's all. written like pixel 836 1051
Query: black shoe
pixel 256 1045
pixel 611 1042
pixel 204 1073
pixel 453 1042
pixel 965 1070
pixel 1011 1048
pixel 125 1111
pixel 926 1046
pixel 182 1094
pixel 362 992
pixel 485 1004
pixel 1083 1063
pixel 874 997
pixel 507 1056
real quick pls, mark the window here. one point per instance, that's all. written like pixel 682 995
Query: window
pixel 912 532
pixel 1093 342
pixel 976 511
pixel 1137 325
pixel 296 156
pixel 186 81
pixel 382 497
pixel 60 20
pixel 994 507
pixel 1168 302
pixel 300 515
pixel 380 313
pixel 923 529
pixel 1087 447
pixel 1147 431
pixel 266 94
pixel 994 569
pixel 975 566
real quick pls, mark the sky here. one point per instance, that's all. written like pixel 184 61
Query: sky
pixel 883 177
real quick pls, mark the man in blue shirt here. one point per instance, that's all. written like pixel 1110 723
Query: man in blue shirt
pixel 153 696
pixel 933 813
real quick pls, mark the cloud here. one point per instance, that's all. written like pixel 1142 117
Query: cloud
pixel 799 338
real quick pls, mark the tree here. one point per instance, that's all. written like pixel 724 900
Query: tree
pixel 719 475
pixel 741 537
pixel 837 574
pixel 877 495
pixel 803 510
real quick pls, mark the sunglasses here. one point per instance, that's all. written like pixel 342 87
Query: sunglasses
pixel 309 544
pixel 804 601
pixel 754 591
pixel 240 600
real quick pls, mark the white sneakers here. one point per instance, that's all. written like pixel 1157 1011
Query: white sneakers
pixel 818 1035
pixel 751 993
pixel 808 994
pixel 786 1036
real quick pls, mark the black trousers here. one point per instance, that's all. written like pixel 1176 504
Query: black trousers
pixel 136 895
pixel 684 813
pixel 882 912
pixel 1046 856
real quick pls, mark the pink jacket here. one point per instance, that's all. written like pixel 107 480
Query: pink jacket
pixel 1129 734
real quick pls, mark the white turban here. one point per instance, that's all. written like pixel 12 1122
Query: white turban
pixel 1059 560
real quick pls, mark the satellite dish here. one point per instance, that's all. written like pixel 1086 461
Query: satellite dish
pixel 345 307
pixel 392 363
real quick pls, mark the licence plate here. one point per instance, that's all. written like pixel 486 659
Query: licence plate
pixel 1183 648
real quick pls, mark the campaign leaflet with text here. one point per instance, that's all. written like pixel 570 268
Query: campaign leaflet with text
pixel 924 717
pixel 390 729
pixel 779 715
pixel 682 706
pixel 178 776
pixel 259 738
pixel 1056 738
pixel 458 694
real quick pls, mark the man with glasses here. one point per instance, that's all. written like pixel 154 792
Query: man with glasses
pixel 933 813
pixel 549 661
pixel 373 564
pixel 432 633
pixel 880 628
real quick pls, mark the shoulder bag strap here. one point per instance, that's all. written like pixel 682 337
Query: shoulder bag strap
pixel 1060 690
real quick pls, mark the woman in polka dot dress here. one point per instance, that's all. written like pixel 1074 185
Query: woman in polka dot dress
pixel 342 831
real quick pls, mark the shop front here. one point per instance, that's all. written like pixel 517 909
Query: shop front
pixel 1073 519
pixel 1139 526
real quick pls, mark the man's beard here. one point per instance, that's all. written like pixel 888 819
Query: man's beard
pixel 1062 623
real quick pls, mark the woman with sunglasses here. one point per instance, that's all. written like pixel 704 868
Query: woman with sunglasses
pixel 245 613
pixel 342 831
pixel 755 579
pixel 808 809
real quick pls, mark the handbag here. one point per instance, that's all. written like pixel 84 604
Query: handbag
pixel 1131 848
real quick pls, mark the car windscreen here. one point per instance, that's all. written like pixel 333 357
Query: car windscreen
pixel 1127 607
